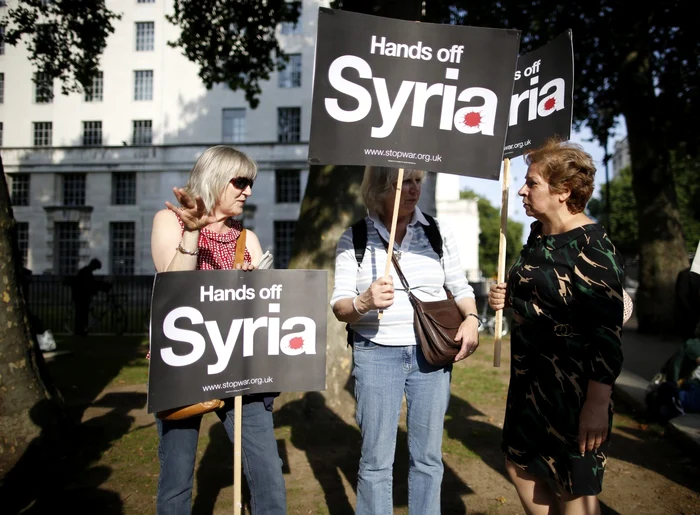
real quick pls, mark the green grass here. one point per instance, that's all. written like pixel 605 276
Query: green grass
pixel 118 438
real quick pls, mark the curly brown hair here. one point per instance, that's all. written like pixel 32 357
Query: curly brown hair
pixel 565 166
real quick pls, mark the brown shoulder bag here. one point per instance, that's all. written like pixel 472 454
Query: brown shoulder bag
pixel 436 324
pixel 207 406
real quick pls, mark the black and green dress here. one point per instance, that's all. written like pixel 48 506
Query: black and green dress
pixel 568 289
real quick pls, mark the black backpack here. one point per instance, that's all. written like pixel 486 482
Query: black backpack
pixel 359 243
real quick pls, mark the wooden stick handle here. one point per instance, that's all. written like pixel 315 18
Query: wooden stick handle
pixel 501 276
pixel 238 408
pixel 392 233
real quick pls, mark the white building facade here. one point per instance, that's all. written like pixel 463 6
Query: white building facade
pixel 621 156
pixel 87 172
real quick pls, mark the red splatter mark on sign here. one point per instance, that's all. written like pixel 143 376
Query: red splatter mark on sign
pixel 296 343
pixel 549 104
pixel 472 119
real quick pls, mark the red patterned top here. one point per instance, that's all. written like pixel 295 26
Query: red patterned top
pixel 217 251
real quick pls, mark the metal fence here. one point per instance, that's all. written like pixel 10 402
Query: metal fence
pixel 123 309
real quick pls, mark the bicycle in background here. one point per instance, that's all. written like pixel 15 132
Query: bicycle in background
pixel 106 315
pixel 488 322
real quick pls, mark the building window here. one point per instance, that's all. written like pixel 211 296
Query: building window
pixel 20 189
pixel 93 93
pixel 287 186
pixel 145 1
pixel 43 88
pixel 288 124
pixel 2 40
pixel 284 237
pixel 145 35
pixel 3 3
pixel 73 189
pixel 143 85
pixel 143 132
pixel 2 88
pixel 122 247
pixel 43 134
pixel 1 134
pixel 23 240
pixel 233 125
pixel 290 77
pixel 66 247
pixel 92 134
pixel 124 189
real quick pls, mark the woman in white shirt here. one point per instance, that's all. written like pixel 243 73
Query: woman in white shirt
pixel 387 360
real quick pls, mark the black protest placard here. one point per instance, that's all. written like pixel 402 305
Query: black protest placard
pixel 222 333
pixel 411 95
pixel 543 97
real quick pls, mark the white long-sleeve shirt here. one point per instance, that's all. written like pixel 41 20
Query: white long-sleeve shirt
pixel 425 273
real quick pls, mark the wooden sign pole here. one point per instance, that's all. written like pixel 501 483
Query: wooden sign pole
pixel 237 421
pixel 501 259
pixel 392 234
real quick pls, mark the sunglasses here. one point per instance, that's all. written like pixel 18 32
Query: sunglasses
pixel 242 183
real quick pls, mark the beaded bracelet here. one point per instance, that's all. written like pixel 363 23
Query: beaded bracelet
pixel 183 250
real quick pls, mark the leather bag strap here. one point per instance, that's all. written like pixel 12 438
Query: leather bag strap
pixel 240 249
pixel 395 261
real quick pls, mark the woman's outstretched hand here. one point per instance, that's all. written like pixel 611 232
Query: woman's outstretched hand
pixel 192 212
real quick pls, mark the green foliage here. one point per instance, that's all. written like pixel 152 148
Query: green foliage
pixel 233 41
pixel 65 39
pixel 622 223
pixel 686 173
pixel 490 227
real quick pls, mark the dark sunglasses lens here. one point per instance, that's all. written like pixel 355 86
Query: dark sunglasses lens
pixel 242 182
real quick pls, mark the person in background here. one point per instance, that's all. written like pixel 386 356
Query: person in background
pixel 84 287
pixel 565 290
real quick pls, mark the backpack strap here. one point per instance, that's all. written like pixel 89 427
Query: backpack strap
pixel 359 239
pixel 433 233
pixel 359 243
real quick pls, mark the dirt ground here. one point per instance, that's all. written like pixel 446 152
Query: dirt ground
pixel 113 467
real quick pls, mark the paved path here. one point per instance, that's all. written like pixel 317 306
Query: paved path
pixel 644 357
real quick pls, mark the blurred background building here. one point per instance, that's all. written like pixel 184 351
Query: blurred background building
pixel 87 172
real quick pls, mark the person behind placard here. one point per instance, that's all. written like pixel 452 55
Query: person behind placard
pixel 387 362
pixel 565 289
pixel 201 234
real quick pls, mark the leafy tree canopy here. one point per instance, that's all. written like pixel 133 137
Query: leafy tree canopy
pixel 65 39
pixel 622 223
pixel 234 41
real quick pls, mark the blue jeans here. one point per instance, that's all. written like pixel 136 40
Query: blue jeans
pixel 382 375
pixel 262 465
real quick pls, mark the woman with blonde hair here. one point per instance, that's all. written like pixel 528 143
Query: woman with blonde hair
pixel 200 233
pixel 387 361
pixel 565 289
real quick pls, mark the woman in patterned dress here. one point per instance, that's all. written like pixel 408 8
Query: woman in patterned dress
pixel 201 234
pixel 566 293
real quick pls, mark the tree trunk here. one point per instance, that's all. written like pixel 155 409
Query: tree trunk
pixel 331 204
pixel 662 253
pixel 26 404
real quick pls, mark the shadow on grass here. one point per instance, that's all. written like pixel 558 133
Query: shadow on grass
pixel 57 471
pixel 333 447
